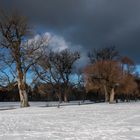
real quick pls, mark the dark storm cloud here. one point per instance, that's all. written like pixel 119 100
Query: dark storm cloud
pixel 89 23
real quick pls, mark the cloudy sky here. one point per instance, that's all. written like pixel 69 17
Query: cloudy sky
pixel 87 24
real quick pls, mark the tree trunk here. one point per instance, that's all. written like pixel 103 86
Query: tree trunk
pixel 106 94
pixel 112 95
pixel 21 86
pixel 84 96
pixel 59 93
pixel 66 92
pixel 60 97
pixel 65 97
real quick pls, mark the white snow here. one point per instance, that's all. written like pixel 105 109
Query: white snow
pixel 78 122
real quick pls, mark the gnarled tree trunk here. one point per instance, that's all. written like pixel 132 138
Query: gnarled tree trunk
pixel 21 85
pixel 106 94
pixel 65 97
pixel 59 97
pixel 66 93
pixel 112 96
pixel 13 28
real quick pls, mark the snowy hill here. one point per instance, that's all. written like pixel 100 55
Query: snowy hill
pixel 88 122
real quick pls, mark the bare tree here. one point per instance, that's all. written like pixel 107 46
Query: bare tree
pixel 108 53
pixel 100 58
pixel 105 74
pixel 14 30
pixel 108 70
pixel 63 63
pixel 56 69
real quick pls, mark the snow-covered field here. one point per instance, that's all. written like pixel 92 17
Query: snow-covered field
pixel 87 122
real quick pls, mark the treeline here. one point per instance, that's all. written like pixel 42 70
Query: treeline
pixel 108 78
pixel 54 75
